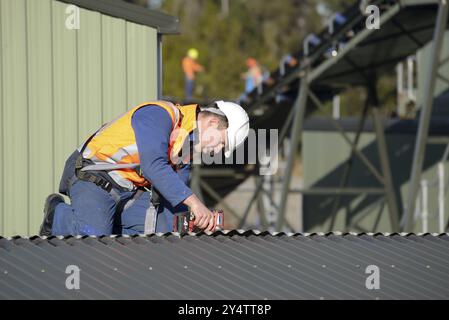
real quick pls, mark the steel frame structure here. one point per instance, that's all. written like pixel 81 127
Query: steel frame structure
pixel 293 126
pixel 383 177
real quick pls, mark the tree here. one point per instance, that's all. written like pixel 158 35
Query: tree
pixel 265 30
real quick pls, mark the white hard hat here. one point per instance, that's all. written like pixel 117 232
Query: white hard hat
pixel 238 125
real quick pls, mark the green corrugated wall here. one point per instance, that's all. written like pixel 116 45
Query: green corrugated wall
pixel 423 61
pixel 324 154
pixel 56 87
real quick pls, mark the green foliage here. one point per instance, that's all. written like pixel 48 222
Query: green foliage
pixel 265 30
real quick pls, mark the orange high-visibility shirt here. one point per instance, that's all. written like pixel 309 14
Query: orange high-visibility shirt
pixel 190 67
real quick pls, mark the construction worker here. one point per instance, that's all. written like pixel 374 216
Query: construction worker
pixel 190 66
pixel 131 176
pixel 253 77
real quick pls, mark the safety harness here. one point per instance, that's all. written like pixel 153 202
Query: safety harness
pixel 86 176
pixel 97 173
pixel 89 177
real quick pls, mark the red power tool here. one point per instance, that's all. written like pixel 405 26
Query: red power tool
pixel 183 222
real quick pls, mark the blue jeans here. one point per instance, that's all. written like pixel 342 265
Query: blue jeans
pixel 93 211
pixel 189 86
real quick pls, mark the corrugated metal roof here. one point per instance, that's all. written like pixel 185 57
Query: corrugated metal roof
pixel 227 265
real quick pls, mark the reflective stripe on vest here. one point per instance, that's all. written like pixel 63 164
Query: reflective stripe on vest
pixel 115 144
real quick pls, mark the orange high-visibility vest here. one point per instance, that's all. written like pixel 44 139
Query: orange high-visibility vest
pixel 115 142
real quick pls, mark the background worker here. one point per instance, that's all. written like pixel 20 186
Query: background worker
pixel 253 76
pixel 190 67
pixel 108 177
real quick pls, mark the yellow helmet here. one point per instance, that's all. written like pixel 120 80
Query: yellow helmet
pixel 193 53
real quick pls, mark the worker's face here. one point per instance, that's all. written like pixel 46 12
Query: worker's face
pixel 212 139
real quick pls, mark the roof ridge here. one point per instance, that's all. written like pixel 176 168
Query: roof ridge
pixel 235 232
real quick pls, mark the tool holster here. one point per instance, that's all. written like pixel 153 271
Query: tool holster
pixel 152 211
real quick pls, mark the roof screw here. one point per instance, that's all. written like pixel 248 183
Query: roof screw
pixel 115 269
pixel 321 298
pixel 377 298
pixel 150 268
pixel 255 266
pixel 357 266
pixel 392 265
pixel 428 267
pixel 289 266
pixel 42 270
pixel 265 298
pixel 219 267
pixel 185 267
pixel 5 272
pixel 324 266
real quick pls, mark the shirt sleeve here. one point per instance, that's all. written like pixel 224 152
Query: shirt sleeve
pixel 184 173
pixel 152 128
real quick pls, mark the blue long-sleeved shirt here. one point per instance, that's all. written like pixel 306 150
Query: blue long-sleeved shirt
pixel 152 128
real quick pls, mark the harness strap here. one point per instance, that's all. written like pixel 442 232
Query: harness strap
pixel 108 167
pixel 102 183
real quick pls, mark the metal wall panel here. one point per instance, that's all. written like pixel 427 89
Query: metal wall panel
pixel 324 154
pixel 15 122
pixel 114 67
pixel 423 67
pixel 57 86
pixel 141 56
pixel 40 102
pixel 89 73
pixel 65 88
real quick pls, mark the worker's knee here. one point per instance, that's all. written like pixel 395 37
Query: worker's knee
pixel 63 221
pixel 91 212
pixel 133 217
pixel 89 229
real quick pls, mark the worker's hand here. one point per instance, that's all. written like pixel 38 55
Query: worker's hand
pixel 204 218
